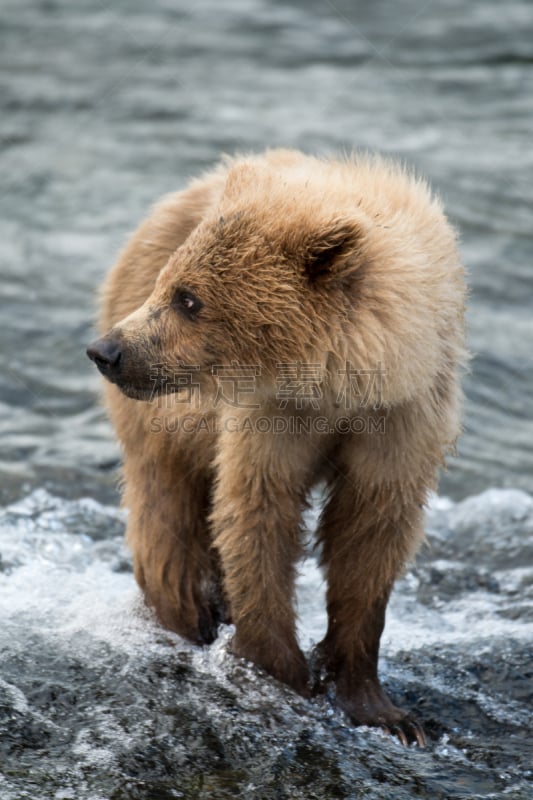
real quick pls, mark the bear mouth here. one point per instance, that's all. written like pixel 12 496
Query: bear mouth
pixel 147 393
pixel 138 392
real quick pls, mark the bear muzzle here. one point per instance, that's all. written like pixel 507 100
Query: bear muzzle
pixel 131 369
pixel 106 353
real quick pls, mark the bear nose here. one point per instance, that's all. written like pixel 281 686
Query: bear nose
pixel 106 354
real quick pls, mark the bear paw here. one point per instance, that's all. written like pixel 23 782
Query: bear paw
pixel 286 664
pixel 368 704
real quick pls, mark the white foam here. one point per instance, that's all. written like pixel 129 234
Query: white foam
pixel 63 583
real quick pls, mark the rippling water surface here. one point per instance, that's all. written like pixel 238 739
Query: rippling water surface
pixel 106 105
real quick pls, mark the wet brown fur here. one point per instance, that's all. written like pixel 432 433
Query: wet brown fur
pixel 295 260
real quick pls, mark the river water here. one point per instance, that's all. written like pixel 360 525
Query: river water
pixel 104 106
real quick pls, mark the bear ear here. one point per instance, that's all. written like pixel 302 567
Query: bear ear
pixel 333 253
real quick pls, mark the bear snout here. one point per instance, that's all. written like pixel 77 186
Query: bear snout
pixel 128 366
pixel 107 355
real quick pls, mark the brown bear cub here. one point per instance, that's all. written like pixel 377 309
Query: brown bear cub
pixel 287 321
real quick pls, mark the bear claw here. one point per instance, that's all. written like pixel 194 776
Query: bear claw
pixel 408 731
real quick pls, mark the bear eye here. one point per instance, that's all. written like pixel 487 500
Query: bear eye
pixel 187 302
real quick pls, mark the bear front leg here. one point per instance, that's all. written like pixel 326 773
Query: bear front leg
pixel 368 534
pixel 256 526
pixel 168 533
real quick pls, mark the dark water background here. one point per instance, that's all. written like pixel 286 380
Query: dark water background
pixel 106 105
